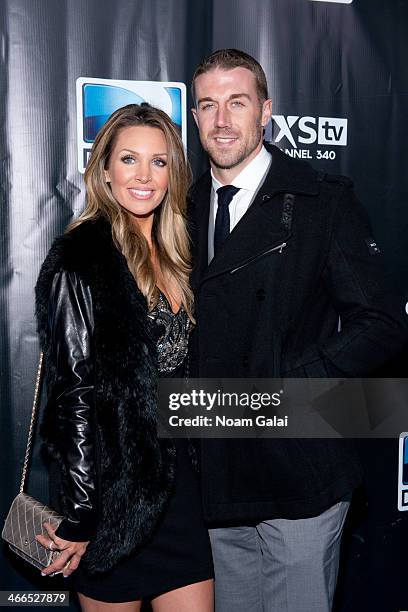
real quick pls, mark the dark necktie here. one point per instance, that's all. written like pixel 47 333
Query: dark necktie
pixel 222 219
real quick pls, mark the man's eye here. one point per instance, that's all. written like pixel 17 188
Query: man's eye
pixel 128 159
pixel 206 106
pixel 237 103
pixel 160 162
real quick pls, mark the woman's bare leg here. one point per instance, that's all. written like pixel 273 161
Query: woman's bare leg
pixel 93 605
pixel 197 597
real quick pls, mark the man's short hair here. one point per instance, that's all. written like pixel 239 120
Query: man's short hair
pixel 227 59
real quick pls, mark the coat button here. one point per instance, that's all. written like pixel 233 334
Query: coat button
pixel 245 361
pixel 260 294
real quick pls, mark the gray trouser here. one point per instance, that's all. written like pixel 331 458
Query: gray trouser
pixel 279 565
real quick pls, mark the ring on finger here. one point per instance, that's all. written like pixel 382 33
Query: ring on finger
pixel 51 546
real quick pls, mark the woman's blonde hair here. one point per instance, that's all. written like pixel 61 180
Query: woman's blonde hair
pixel 170 234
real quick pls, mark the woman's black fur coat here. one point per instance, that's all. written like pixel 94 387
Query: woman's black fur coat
pixel 135 470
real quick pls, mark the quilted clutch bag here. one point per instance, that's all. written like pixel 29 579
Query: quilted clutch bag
pixel 24 521
pixel 27 515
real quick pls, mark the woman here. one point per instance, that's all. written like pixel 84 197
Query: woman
pixel 114 309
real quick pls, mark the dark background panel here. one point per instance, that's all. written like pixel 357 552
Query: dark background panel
pixel 322 60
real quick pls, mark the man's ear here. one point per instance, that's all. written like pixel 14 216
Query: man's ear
pixel 266 112
pixel 194 111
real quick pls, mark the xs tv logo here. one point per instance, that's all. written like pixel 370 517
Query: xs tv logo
pixel 328 131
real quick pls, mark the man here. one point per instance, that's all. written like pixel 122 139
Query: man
pixel 283 255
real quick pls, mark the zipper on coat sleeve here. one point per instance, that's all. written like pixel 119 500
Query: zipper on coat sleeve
pixel 279 248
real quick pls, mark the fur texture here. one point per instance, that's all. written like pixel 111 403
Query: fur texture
pixel 136 469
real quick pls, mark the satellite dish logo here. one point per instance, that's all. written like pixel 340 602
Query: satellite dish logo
pixel 403 472
pixel 97 99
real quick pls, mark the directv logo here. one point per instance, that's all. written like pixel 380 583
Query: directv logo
pixel 403 473
pixel 97 99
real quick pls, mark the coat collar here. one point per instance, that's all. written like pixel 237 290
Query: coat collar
pixel 286 175
pixel 289 175
pixel 260 229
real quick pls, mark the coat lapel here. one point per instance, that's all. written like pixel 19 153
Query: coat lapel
pixel 258 232
pixel 261 228
pixel 200 212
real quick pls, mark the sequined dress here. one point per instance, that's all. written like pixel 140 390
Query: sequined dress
pixel 179 552
pixel 172 332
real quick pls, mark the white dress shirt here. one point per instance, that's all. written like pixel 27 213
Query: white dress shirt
pixel 248 181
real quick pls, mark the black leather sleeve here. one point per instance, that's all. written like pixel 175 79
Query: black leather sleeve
pixel 71 327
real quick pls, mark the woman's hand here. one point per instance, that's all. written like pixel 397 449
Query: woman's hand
pixel 71 552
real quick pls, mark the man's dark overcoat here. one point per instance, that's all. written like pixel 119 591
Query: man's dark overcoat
pixel 296 291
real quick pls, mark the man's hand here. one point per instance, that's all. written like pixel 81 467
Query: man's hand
pixel 71 552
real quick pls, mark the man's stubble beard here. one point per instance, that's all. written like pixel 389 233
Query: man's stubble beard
pixel 237 157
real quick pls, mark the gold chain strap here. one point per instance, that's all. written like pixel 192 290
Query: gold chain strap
pixel 32 422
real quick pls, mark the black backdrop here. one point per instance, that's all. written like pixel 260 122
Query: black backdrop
pixel 328 63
